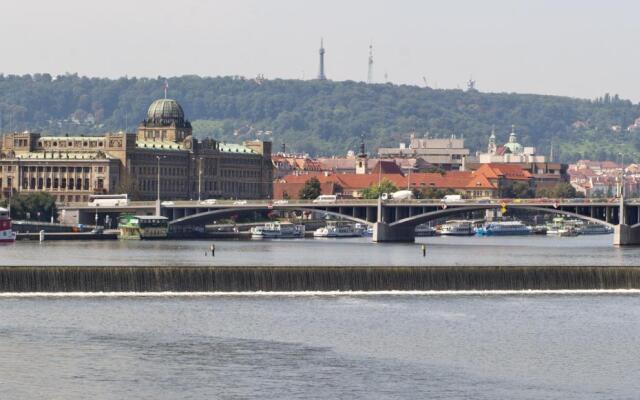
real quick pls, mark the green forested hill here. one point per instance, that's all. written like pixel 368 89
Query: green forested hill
pixel 321 117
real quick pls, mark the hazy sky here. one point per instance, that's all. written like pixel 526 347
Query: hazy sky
pixel 580 48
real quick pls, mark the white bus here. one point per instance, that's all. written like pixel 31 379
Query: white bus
pixel 326 198
pixel 108 200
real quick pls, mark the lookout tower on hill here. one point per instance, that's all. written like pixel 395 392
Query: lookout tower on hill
pixel 321 75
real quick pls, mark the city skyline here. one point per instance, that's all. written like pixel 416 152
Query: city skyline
pixel 576 49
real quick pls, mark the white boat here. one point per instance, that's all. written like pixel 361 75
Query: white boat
pixel 337 229
pixel 561 227
pixel 278 230
pixel 457 228
pixel 364 229
pixel 504 228
pixel 425 230
pixel 595 229
pixel 7 235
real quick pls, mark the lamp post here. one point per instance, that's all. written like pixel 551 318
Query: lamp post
pixel 158 199
pixel 621 174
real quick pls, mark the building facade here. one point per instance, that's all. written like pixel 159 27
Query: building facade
pixel 72 168
pixel 447 153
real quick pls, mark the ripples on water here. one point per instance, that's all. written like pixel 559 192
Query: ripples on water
pixel 319 347
pixel 534 250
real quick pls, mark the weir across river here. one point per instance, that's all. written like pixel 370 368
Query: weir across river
pixel 52 279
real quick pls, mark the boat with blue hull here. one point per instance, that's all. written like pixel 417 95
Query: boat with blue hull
pixel 504 228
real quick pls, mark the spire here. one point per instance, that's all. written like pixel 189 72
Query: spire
pixel 321 75
pixel 370 71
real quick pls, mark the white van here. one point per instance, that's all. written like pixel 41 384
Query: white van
pixel 452 198
pixel 326 198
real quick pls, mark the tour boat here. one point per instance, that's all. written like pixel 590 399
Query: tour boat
pixel 560 227
pixel 595 229
pixel 7 235
pixel 337 229
pixel 425 230
pixel 504 228
pixel 457 228
pixel 143 227
pixel 278 230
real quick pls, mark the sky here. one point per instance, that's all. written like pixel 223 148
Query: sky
pixel 562 47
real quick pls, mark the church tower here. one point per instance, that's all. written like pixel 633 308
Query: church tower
pixel 491 148
pixel 321 75
pixel 361 159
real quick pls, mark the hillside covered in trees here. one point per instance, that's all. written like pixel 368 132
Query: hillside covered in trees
pixel 323 118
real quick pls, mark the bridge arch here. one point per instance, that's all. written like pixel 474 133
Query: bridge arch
pixel 429 216
pixel 187 220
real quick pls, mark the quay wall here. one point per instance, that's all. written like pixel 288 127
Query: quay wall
pixel 291 279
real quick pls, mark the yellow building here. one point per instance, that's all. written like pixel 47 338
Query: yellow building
pixel 72 168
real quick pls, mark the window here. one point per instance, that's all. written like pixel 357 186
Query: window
pixel 63 184
pixel 71 182
pixel 79 184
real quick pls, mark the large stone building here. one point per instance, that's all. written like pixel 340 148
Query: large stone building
pixel 72 168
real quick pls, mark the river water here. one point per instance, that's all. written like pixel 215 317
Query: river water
pixel 594 250
pixel 456 345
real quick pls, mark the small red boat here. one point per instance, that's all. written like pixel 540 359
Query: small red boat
pixel 6 234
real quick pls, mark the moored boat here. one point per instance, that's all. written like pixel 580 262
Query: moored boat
pixel 504 228
pixel 143 227
pixel 7 235
pixel 278 230
pixel 595 229
pixel 425 230
pixel 457 228
pixel 335 229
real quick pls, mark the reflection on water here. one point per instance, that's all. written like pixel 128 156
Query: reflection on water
pixel 373 347
pixel 533 250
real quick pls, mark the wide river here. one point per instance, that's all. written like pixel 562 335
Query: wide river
pixel 456 345
pixel 594 250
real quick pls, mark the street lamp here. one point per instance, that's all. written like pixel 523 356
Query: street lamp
pixel 158 199
pixel 621 174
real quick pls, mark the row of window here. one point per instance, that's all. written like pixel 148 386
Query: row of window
pixel 60 183
pixel 70 143
pixel 86 170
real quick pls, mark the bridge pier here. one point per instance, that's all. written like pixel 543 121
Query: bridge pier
pixel 625 235
pixel 383 232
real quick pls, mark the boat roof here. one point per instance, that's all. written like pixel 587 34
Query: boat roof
pixel 149 217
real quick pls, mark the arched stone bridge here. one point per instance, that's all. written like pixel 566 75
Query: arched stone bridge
pixel 392 220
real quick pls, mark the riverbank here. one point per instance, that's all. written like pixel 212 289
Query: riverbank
pixel 297 278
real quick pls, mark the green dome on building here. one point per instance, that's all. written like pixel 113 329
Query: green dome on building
pixel 513 145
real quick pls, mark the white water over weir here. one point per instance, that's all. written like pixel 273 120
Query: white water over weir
pixel 20 279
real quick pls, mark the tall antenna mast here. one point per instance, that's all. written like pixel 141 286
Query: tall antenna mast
pixel 321 75
pixel 370 72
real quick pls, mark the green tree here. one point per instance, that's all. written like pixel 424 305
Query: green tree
pixel 560 191
pixel 518 190
pixel 39 206
pixel 311 189
pixel 435 193
pixel 374 191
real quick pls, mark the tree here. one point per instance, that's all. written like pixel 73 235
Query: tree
pixel 435 193
pixel 311 189
pixel 374 191
pixel 127 185
pixel 40 206
pixel 518 190
pixel 560 191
